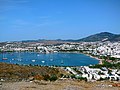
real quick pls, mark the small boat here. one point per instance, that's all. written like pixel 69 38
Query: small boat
pixel 13 59
pixel 38 55
pixel 43 61
pixel 51 59
pixel 4 58
pixel 33 60
pixel 19 56
pixel 62 62
pixel 19 59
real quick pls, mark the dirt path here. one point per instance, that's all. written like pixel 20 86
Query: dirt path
pixel 58 85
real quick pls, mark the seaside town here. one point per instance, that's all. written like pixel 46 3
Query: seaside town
pixel 108 54
pixel 111 49
pixel 60 45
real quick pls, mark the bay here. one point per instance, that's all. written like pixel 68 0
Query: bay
pixel 50 59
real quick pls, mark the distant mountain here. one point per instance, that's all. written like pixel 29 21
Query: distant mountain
pixel 103 36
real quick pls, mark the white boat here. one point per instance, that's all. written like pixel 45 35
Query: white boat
pixel 13 59
pixel 33 60
pixel 19 59
pixel 51 59
pixel 43 61
pixel 62 62
pixel 4 58
pixel 38 55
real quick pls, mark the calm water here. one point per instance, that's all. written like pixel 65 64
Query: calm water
pixel 59 59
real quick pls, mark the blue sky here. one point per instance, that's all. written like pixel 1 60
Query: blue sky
pixel 57 19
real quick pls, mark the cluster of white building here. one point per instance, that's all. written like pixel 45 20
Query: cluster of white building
pixel 96 48
pixel 95 73
pixel 108 48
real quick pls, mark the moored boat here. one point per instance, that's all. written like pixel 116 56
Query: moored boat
pixel 4 58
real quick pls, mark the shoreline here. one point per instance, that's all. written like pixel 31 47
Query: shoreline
pixel 100 60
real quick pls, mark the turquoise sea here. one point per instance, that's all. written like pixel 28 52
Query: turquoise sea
pixel 58 59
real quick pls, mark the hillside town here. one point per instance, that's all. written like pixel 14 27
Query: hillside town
pixel 60 45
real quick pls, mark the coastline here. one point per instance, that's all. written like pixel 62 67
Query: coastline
pixel 100 60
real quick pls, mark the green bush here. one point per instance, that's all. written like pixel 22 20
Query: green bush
pixel 53 78
pixel 82 78
pixel 46 77
pixel 73 76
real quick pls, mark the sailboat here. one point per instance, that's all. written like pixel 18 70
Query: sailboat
pixel 62 62
pixel 19 56
pixel 4 58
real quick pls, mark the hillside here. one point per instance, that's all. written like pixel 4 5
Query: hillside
pixel 12 72
pixel 103 36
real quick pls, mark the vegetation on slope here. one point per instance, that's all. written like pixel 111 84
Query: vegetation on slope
pixel 11 72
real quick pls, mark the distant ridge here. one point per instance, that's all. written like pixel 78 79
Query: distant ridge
pixel 103 36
